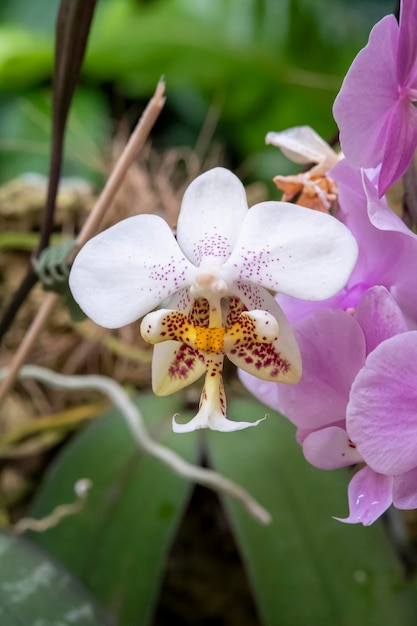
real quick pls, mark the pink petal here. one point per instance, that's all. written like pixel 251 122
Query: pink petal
pixel 333 351
pixel 407 43
pixel 382 410
pixel 400 130
pixel 329 448
pixel 379 316
pixel 387 248
pixel 368 93
pixel 370 495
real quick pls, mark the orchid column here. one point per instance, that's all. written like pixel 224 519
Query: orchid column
pixel 213 281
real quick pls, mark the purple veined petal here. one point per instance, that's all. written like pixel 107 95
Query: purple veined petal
pixel 302 144
pixel 293 250
pixel 368 93
pixel 400 143
pixel 286 346
pixel 407 44
pixel 382 409
pixel 379 316
pixel 332 348
pixel 127 270
pixel 404 493
pixel 330 448
pixel 212 210
pixel 370 495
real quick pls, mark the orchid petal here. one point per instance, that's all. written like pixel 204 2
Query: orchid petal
pixel 127 270
pixel 400 130
pixel 379 316
pixel 330 448
pixel 380 214
pixel 175 366
pixel 293 250
pixel 382 410
pixel 214 421
pixel 302 433
pixel 407 44
pixel 366 97
pixel 212 209
pixel 212 410
pixel 387 248
pixel 370 495
pixel 285 354
pixel 301 144
pixel 333 351
pixel 404 493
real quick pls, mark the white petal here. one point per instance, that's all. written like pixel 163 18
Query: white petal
pixel 293 250
pixel 212 210
pixel 302 144
pixel 127 270
pixel 213 421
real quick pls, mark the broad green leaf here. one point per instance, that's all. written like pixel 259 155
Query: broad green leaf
pixel 35 591
pixel 306 568
pixel 117 545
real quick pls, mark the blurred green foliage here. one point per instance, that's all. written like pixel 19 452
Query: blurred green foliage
pixel 35 590
pixel 305 568
pixel 259 65
pixel 255 66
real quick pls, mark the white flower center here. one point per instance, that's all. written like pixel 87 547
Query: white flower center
pixel 210 280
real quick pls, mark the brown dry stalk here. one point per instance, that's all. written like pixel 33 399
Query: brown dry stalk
pixel 134 145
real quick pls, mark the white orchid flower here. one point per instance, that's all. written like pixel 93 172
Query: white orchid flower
pixel 213 279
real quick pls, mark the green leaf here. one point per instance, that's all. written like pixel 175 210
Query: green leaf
pixel 25 57
pixel 25 135
pixel 34 591
pixel 306 568
pixel 118 544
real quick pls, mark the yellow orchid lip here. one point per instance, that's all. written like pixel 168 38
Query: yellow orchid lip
pixel 212 329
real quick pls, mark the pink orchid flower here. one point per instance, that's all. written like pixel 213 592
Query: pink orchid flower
pixel 338 402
